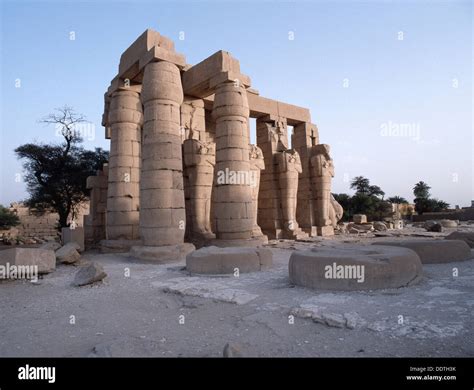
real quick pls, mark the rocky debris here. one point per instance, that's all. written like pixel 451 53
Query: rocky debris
pixel 233 350
pixel 349 320
pixel 51 245
pixel 380 226
pixel 355 228
pixel 448 223
pixel 44 259
pixel 125 347
pixel 68 253
pixel 433 226
pixel 467 237
pixel 203 287
pixel 89 274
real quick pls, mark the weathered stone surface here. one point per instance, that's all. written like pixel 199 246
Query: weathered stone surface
pixel 89 274
pixel 467 237
pixel 359 228
pixel 380 226
pixel 162 254
pixel 68 253
pixel 117 246
pixel 214 260
pixel 435 251
pixel 43 258
pixel 359 218
pixel 74 235
pixel 448 223
pixel 51 245
pixel 433 226
pixel 363 268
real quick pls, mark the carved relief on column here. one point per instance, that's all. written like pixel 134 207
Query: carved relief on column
pixel 257 164
pixel 289 168
pixel 322 172
pixel 199 161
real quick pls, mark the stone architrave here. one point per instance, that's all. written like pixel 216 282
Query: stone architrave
pixel 162 210
pixel 289 168
pixel 322 172
pixel 199 161
pixel 257 164
pixel 232 201
pixel 125 119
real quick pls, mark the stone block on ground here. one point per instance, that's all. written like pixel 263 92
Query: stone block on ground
pixel 448 223
pixel 68 253
pixel 467 237
pixel 352 267
pixel 73 235
pixel 218 261
pixel 359 218
pixel 51 245
pixel 89 274
pixel 45 259
pixel 162 254
pixel 435 251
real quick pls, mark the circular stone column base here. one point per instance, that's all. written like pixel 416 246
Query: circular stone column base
pixel 250 242
pixel 435 251
pixel 352 267
pixel 162 254
pixel 117 246
pixel 219 261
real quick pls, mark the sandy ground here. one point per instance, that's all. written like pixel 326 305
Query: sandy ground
pixel 159 310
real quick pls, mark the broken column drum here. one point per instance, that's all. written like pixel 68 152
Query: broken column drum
pixel 162 216
pixel 123 195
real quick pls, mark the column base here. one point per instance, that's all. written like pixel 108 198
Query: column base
pixel 201 239
pixel 117 246
pixel 220 261
pixel 162 254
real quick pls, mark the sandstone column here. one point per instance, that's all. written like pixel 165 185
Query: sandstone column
pixel 322 174
pixel 233 193
pixel 162 212
pixel 123 196
pixel 94 222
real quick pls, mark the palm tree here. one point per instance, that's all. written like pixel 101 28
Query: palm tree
pixel 360 184
pixel 376 191
pixel 421 190
pixel 397 199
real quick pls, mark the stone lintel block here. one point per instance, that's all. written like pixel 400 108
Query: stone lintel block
pixel 220 66
pixel 215 260
pixel 161 54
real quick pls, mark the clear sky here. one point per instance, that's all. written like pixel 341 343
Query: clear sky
pixel 389 84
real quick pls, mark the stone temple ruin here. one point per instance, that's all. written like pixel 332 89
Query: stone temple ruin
pixel 182 170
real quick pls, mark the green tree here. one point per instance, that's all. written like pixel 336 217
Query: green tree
pixel 397 199
pixel 361 184
pixel 56 174
pixel 8 219
pixel 376 191
pixel 421 190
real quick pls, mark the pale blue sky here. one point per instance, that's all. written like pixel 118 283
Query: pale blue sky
pixel 423 82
